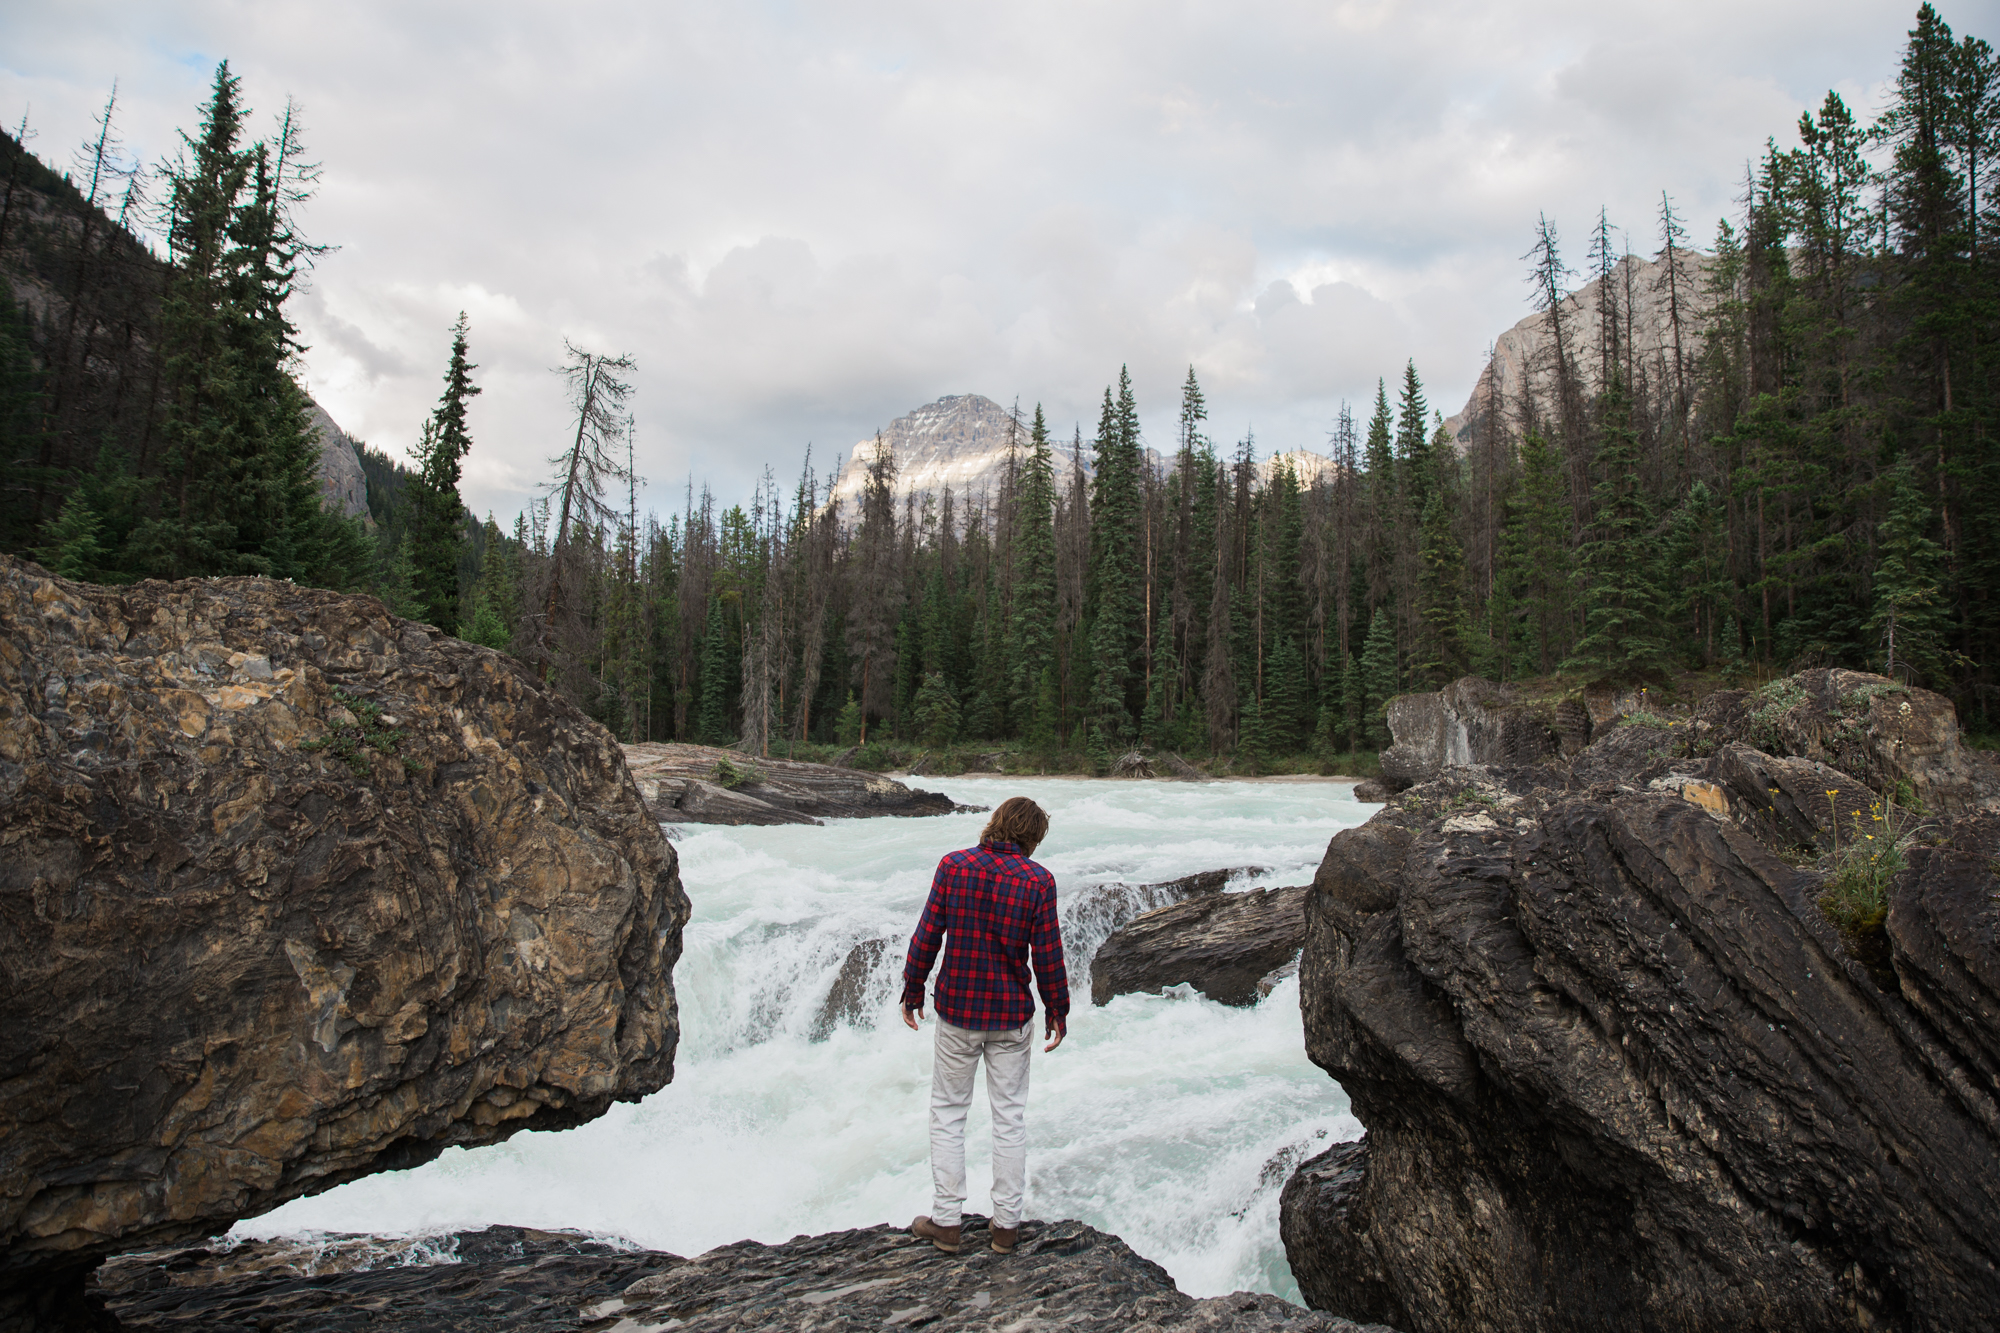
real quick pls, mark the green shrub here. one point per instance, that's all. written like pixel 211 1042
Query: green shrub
pixel 730 776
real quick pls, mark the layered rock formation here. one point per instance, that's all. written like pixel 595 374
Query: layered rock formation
pixel 1618 1069
pixel 1222 944
pixel 699 784
pixel 1062 1275
pixel 294 891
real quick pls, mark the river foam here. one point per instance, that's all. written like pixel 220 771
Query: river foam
pixel 1169 1120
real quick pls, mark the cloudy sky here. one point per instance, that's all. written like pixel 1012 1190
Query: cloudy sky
pixel 803 220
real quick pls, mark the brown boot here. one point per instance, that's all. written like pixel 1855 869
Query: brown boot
pixel 1004 1238
pixel 945 1238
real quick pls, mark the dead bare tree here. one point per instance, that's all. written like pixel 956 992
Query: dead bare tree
pixel 583 474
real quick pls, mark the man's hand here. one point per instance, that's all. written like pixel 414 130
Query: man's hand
pixel 910 1016
pixel 1057 1031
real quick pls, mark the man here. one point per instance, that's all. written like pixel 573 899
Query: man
pixel 991 907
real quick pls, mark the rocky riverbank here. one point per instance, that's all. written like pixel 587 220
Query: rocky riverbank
pixel 700 784
pixel 1619 1067
pixel 294 891
pixel 1062 1275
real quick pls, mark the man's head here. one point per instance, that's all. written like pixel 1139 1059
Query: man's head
pixel 1017 820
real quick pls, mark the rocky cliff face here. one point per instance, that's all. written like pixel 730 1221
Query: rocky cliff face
pixel 294 891
pixel 343 486
pixel 1523 366
pixel 1618 1069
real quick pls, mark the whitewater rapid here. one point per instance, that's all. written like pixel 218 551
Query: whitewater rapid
pixel 1169 1120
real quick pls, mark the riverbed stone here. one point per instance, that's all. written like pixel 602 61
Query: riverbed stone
pixel 1061 1275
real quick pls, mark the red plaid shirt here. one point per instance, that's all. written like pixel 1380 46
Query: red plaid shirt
pixel 994 905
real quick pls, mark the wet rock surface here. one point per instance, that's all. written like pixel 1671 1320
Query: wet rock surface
pixel 292 891
pixel 698 784
pixel 1063 1274
pixel 1618 1070
pixel 1222 944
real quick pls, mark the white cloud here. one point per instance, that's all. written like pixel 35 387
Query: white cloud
pixel 803 221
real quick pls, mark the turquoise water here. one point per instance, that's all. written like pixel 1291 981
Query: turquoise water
pixel 1167 1119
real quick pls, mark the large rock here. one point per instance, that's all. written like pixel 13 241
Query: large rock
pixel 1888 735
pixel 1062 1275
pixel 699 784
pixel 1222 944
pixel 295 891
pixel 1618 1071
pixel 1470 721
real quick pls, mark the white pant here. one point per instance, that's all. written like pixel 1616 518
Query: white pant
pixel 958 1051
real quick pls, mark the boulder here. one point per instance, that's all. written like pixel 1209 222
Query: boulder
pixel 294 891
pixel 1897 739
pixel 1223 944
pixel 1618 1071
pixel 1061 1275
pixel 1470 721
pixel 700 784
pixel 1370 791
pixel 1092 913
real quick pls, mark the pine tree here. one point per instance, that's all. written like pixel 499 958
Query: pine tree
pixel 847 726
pixel 1617 565
pixel 936 712
pixel 242 496
pixel 1440 585
pixel 1287 713
pixel 1907 616
pixel 1379 679
pixel 1034 618
pixel 496 595
pixel 74 547
pixel 1413 440
pixel 711 725
pixel 1354 701
pixel 1113 605
pixel 1535 557
pixel 1379 468
pixel 437 514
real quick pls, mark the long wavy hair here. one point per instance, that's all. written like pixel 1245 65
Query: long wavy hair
pixel 1017 820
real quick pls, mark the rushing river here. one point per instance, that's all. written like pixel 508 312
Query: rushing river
pixel 1169 1120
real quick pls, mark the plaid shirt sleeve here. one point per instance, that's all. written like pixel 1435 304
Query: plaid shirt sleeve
pixel 924 944
pixel 1050 975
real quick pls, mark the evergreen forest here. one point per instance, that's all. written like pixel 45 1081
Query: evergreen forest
pixel 1767 449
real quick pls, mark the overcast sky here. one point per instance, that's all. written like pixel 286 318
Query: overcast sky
pixel 803 220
